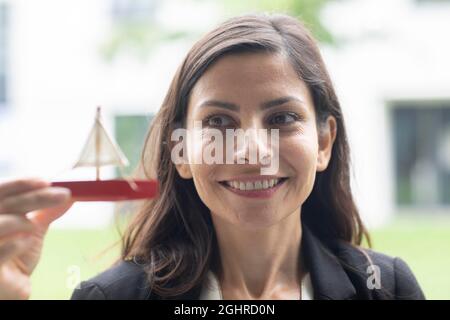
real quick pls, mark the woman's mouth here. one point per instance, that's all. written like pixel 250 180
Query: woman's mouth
pixel 263 188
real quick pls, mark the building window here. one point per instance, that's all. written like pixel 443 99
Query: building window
pixel 130 132
pixel 422 154
pixel 4 23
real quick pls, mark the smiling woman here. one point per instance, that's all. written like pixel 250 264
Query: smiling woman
pixel 227 231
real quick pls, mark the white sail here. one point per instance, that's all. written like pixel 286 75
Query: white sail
pixel 100 149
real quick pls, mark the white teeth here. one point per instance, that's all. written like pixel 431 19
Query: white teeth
pixel 256 185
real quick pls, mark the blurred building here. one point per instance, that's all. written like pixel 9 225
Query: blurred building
pixel 392 74
pixel 390 69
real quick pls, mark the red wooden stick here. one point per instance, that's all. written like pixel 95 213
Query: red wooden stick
pixel 110 190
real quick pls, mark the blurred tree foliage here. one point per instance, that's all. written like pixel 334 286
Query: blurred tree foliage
pixel 139 36
pixel 307 11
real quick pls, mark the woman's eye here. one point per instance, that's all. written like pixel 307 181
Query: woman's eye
pixel 283 118
pixel 219 121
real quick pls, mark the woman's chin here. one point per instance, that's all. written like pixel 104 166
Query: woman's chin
pixel 255 220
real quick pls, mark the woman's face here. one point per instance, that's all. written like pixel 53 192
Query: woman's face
pixel 238 193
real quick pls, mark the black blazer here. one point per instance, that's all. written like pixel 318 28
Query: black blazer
pixel 337 273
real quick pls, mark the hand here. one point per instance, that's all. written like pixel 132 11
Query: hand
pixel 27 207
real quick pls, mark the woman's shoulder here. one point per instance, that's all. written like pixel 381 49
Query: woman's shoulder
pixel 126 280
pixel 341 270
pixel 384 275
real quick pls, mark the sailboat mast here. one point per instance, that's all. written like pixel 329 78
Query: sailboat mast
pixel 97 145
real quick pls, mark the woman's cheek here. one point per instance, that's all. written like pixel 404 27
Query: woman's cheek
pixel 300 150
pixel 205 183
pixel 206 147
pixel 299 154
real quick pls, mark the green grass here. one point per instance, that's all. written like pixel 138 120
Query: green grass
pixel 423 243
pixel 70 256
pixel 425 246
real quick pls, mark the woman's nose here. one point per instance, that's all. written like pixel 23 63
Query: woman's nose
pixel 252 146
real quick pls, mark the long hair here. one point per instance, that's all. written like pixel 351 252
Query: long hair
pixel 172 236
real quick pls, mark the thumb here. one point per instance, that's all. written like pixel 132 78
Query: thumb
pixel 44 217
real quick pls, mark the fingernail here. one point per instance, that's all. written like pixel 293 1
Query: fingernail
pixel 39 182
pixel 63 192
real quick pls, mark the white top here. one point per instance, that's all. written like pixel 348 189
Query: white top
pixel 211 290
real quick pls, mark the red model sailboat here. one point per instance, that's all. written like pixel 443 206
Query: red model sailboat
pixel 101 150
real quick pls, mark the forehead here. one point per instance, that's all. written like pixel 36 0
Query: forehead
pixel 249 76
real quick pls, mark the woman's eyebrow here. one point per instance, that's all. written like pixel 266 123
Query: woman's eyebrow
pixel 280 101
pixel 235 107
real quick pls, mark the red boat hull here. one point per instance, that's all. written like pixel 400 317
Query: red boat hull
pixel 110 190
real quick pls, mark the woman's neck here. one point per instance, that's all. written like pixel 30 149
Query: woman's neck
pixel 263 263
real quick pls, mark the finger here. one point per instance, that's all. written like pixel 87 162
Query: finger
pixel 35 200
pixel 12 187
pixel 15 236
pixel 11 224
pixel 12 248
pixel 44 217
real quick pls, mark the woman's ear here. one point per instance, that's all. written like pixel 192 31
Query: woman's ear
pixel 327 135
pixel 184 170
pixel 179 158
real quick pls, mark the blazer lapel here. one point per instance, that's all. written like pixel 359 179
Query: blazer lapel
pixel 328 278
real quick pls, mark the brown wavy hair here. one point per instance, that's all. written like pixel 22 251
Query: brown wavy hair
pixel 173 235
